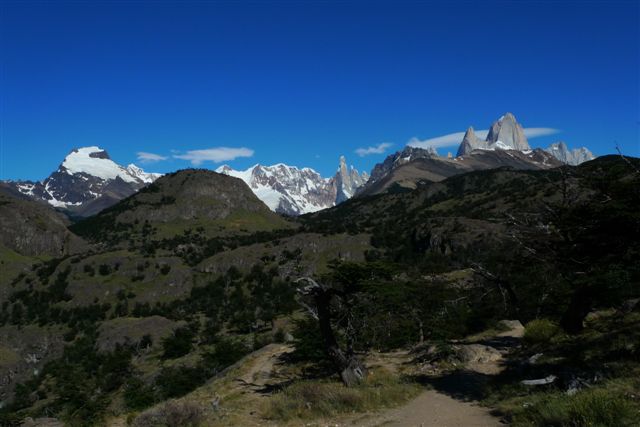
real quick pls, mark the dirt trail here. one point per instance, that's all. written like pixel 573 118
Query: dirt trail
pixel 453 400
pixel 435 409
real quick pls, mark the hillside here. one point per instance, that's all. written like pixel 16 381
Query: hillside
pixel 189 292
pixel 408 175
pixel 185 200
pixel 32 229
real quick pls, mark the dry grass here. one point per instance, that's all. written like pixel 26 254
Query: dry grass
pixel 320 399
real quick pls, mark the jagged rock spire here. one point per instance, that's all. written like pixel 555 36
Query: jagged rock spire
pixel 507 134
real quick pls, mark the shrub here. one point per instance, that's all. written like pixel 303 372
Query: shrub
pixel 178 381
pixel 178 344
pixel 138 395
pixel 104 269
pixel 540 331
pixel 227 351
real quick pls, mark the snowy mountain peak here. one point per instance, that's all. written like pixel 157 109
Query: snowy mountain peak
pixel 295 191
pixel 87 181
pixel 95 162
pixel 137 172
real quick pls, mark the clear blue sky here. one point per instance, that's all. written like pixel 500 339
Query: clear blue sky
pixel 304 82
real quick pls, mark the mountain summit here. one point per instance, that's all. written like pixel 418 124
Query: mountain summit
pixel 86 182
pixel 505 134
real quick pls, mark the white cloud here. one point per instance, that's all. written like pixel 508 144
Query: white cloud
pixel 456 138
pixel 144 157
pixel 536 132
pixel 215 155
pixel 378 149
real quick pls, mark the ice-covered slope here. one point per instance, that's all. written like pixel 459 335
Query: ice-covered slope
pixel 295 191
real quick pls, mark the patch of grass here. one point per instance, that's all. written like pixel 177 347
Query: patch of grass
pixel 318 398
pixel 603 407
pixel 540 331
pixel 172 414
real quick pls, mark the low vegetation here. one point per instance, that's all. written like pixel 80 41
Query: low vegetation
pixel 325 398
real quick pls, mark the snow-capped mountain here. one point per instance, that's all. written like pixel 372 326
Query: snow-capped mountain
pixel 574 157
pixel 293 191
pixel 87 181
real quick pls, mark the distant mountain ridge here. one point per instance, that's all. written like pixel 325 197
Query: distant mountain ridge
pixel 88 181
pixel 293 191
pixel 505 145
pixel 571 157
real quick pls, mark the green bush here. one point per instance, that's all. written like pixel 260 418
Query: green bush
pixel 540 331
pixel 178 344
pixel 138 395
pixel 178 381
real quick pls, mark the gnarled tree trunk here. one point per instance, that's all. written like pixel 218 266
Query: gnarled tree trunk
pixel 348 366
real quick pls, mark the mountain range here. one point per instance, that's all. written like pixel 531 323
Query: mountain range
pixel 293 191
pixel 88 180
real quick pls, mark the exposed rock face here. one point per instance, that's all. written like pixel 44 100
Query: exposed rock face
pixel 25 350
pixel 470 142
pixel 293 191
pixel 31 228
pixel 507 134
pixel 574 157
pixel 347 181
pixel 86 182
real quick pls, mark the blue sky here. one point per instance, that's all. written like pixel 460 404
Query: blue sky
pixel 304 82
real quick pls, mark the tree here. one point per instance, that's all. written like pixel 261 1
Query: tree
pixel 348 366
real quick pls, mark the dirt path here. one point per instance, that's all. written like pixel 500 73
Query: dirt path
pixel 453 400
pixel 435 409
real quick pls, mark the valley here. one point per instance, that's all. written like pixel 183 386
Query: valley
pixel 182 301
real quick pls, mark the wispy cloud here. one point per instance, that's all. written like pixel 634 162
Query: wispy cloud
pixel 215 155
pixel 144 157
pixel 456 138
pixel 536 132
pixel 378 149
